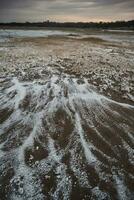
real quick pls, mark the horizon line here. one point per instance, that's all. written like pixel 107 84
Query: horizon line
pixel 49 21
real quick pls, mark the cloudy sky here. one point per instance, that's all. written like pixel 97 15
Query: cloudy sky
pixel 66 10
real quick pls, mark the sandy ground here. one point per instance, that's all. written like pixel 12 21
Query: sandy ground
pixel 67 116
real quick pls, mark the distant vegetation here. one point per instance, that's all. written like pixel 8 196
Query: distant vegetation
pixel 95 25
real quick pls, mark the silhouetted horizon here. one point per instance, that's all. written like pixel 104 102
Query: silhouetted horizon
pixel 106 25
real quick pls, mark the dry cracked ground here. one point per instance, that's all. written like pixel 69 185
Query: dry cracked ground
pixel 66 115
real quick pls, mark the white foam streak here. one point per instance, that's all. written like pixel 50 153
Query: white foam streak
pixel 86 146
pixel 21 92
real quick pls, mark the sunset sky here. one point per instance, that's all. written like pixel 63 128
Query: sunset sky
pixel 66 10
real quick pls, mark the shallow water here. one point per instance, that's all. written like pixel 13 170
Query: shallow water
pixel 5 33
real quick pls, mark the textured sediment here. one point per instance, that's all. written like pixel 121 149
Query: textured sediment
pixel 66 119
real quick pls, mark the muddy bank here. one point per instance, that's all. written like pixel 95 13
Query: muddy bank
pixel 66 119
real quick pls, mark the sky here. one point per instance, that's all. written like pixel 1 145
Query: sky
pixel 66 10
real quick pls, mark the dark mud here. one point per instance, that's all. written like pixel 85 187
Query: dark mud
pixel 66 125
pixel 63 140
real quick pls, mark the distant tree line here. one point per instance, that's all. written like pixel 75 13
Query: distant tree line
pixel 95 25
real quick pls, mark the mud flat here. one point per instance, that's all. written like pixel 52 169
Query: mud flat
pixel 66 115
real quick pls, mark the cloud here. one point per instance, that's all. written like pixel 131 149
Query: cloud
pixel 85 10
